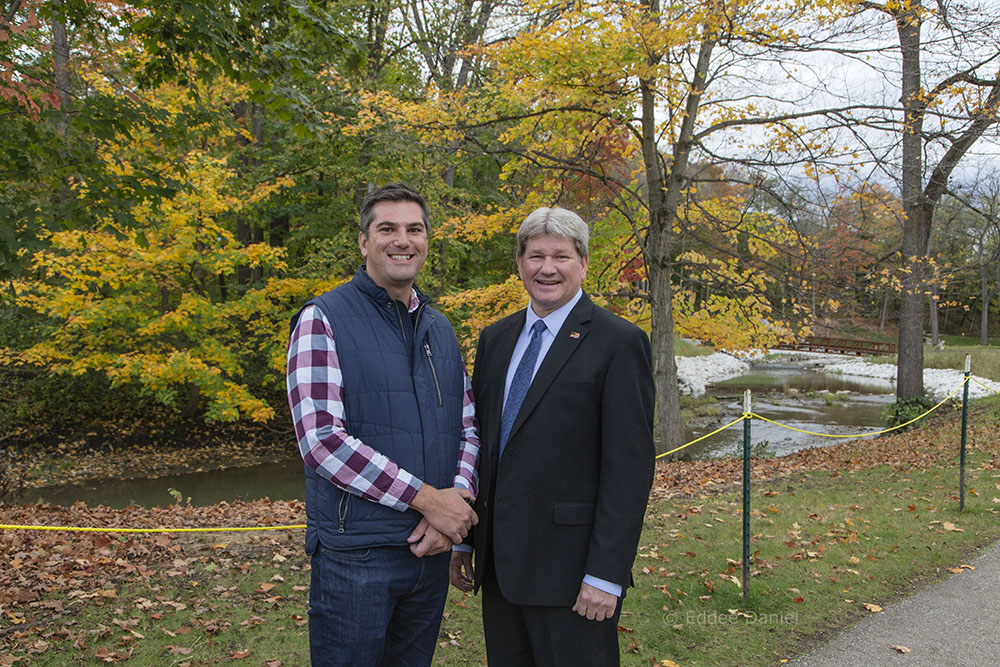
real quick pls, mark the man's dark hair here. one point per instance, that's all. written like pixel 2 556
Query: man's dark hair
pixel 392 192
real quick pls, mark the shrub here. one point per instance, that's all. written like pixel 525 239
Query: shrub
pixel 905 410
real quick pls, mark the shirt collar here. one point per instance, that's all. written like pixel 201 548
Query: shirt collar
pixel 554 320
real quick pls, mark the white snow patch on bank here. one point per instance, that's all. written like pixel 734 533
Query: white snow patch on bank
pixel 694 373
pixel 938 382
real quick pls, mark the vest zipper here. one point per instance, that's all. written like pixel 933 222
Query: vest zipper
pixel 342 510
pixel 430 360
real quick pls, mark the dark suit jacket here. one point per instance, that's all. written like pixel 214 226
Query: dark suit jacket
pixel 569 495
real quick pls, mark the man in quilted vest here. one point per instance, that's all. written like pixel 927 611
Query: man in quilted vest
pixel 386 427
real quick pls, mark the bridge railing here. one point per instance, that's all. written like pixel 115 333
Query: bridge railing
pixel 839 346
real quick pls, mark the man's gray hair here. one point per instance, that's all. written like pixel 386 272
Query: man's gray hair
pixel 554 222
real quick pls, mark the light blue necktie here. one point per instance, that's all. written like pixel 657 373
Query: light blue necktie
pixel 519 385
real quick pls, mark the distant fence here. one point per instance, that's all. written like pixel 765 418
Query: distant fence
pixel 838 346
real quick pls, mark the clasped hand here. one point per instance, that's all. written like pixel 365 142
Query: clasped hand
pixel 447 519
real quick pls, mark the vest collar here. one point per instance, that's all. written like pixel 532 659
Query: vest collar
pixel 377 293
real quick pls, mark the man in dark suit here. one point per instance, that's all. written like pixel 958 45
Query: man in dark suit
pixel 564 396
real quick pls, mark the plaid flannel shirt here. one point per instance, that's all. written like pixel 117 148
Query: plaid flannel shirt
pixel 315 395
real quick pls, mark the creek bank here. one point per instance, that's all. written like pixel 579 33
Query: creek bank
pixel 694 374
pixel 175 448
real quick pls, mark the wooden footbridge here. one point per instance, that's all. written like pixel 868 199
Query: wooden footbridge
pixel 838 346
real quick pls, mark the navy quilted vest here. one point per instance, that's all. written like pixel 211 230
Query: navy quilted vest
pixel 402 399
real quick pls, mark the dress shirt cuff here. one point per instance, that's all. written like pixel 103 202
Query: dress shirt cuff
pixel 462 548
pixel 600 584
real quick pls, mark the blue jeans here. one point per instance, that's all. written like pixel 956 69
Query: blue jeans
pixel 378 607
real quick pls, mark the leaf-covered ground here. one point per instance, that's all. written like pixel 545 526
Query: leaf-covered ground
pixel 51 580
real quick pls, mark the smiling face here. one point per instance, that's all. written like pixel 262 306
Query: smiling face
pixel 395 247
pixel 552 272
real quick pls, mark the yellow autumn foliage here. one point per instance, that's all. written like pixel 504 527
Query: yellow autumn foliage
pixel 158 306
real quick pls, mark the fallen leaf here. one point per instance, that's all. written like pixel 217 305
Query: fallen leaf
pixel 899 648
pixel 947 525
pixel 874 608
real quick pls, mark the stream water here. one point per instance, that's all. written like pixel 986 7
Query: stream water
pixel 803 398
pixel 787 392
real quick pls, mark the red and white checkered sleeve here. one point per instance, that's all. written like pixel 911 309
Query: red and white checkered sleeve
pixel 467 471
pixel 315 396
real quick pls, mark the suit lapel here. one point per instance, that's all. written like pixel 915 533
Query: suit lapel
pixel 573 331
pixel 506 341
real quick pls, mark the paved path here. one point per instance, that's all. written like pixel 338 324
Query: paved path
pixel 955 623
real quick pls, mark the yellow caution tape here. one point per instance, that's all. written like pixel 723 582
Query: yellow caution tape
pixel 753 415
pixel 991 389
pixel 863 435
pixel 85 529
pixel 707 435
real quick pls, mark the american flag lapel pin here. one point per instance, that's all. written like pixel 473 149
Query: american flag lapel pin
pixel 574 334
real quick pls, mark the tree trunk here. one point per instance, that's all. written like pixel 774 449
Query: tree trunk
pixel 932 304
pixel 244 235
pixel 917 220
pixel 257 273
pixel 62 197
pixel 984 300
pixel 669 429
pixel 280 228
pixel 60 68
pixel 885 311
pixel 664 191
pixel 251 115
pixel 192 404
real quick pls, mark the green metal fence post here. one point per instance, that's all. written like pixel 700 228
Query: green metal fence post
pixel 965 419
pixel 746 501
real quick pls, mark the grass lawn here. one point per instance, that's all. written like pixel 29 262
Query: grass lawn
pixel 824 545
pixel 684 347
pixel 985 360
